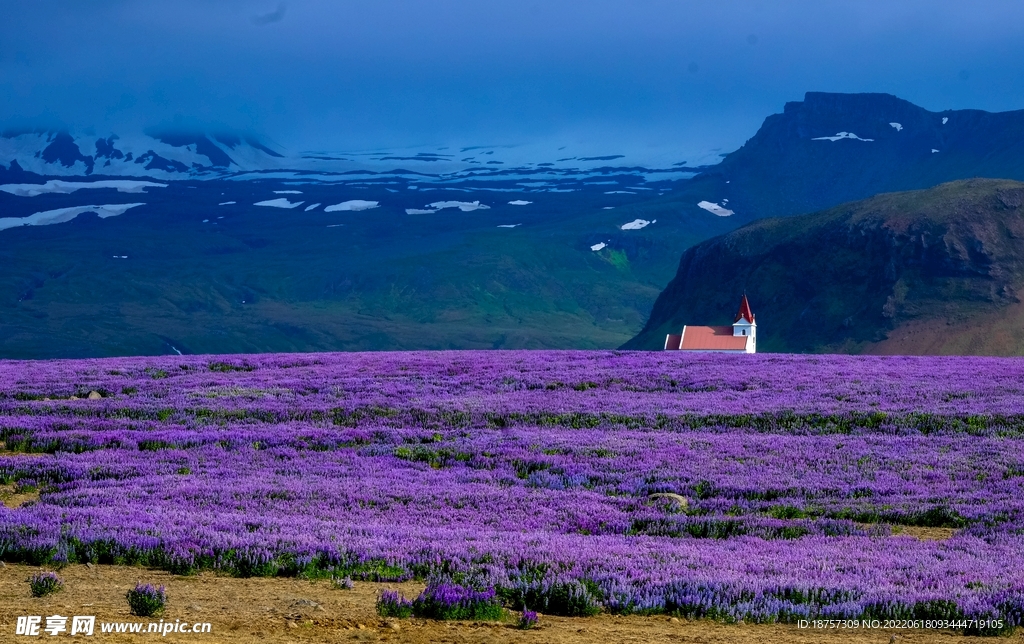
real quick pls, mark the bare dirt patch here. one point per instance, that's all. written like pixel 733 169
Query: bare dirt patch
pixel 13 499
pixel 918 532
pixel 295 610
pixel 924 534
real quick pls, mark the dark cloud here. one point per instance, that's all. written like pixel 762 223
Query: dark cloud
pixel 267 18
pixel 371 73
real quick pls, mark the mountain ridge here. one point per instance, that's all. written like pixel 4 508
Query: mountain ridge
pixel 792 166
pixel 158 153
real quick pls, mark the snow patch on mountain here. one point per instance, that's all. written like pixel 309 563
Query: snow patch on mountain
pixel 715 209
pixel 279 203
pixel 353 205
pixel 637 224
pixel 61 215
pixel 67 187
pixel 840 135
pixel 464 206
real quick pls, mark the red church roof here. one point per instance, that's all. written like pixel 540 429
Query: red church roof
pixel 712 338
pixel 744 312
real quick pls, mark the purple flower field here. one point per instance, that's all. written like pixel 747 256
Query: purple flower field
pixel 532 473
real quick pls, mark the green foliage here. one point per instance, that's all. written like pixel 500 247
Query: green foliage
pixel 1013 470
pixel 574 598
pixel 938 517
pixel 704 490
pixel 376 570
pixel 712 528
pixel 226 367
pixel 147 601
pixel 45 583
pixel 22 395
pixel 786 512
pixel 153 445
pixel 435 457
pixel 618 259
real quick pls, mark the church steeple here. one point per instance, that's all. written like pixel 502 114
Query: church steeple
pixel 744 325
pixel 744 312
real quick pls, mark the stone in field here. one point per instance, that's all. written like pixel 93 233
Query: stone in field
pixel 674 501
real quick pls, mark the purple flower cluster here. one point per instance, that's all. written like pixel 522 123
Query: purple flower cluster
pixel 45 583
pixel 761 487
pixel 342 583
pixel 528 619
pixel 147 600
pixel 445 599
pixel 392 603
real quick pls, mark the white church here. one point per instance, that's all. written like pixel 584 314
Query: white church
pixel 741 337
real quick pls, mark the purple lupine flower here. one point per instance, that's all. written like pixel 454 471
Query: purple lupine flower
pixel 147 600
pixel 532 473
pixel 45 583
pixel 528 619
pixel 392 603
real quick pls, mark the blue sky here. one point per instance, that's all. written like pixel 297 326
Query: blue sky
pixel 354 74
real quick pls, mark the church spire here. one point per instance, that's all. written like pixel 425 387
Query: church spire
pixel 744 312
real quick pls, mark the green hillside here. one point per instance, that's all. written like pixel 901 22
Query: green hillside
pixel 856 277
pixel 263 279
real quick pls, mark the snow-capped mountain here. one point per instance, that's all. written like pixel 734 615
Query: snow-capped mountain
pixel 163 155
pixel 190 155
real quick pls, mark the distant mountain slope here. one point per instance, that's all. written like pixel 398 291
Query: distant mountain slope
pixel 184 273
pixel 169 154
pixel 929 271
pixel 159 154
pixel 571 250
pixel 834 148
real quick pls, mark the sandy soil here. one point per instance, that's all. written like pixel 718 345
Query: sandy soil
pixel 15 500
pixel 924 534
pixel 283 610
